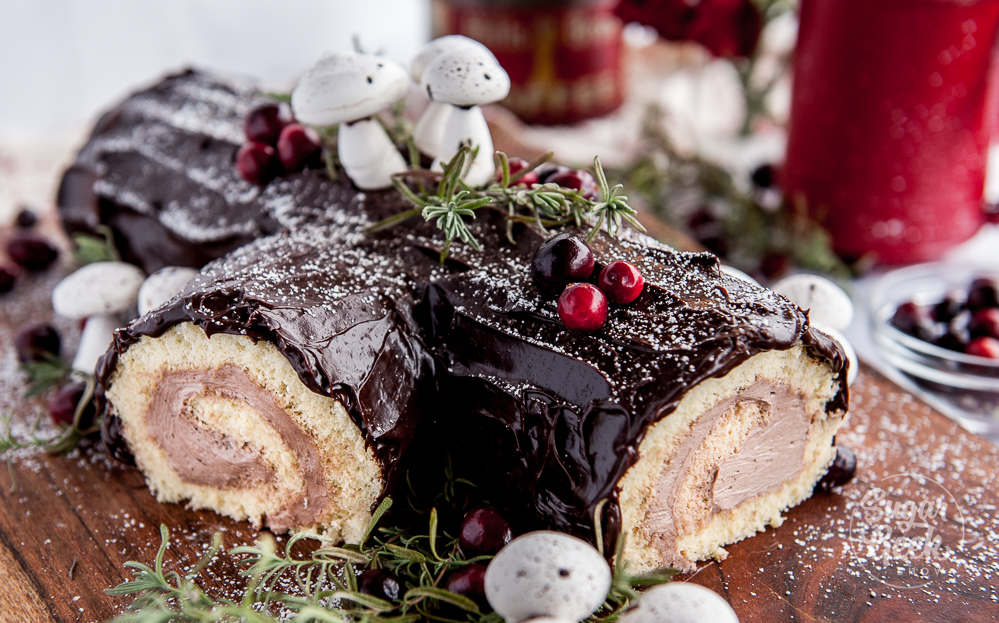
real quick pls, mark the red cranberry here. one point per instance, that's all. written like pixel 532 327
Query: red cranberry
pixel 774 264
pixel 561 260
pixel 985 323
pixel 379 583
pixel 764 176
pixel 26 219
pixel 516 166
pixel 263 124
pixel 7 279
pixel 983 292
pixel 469 581
pixel 909 317
pixel 37 342
pixel 297 146
pixel 987 347
pixel 256 163
pixel 31 252
pixel 483 530
pixel 621 281
pixel 547 171
pixel 992 213
pixel 948 307
pixel 842 470
pixel 64 402
pixel 576 179
pixel 582 307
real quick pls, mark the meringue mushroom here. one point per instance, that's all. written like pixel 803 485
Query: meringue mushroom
pixel 349 89
pixel 161 286
pixel 99 292
pixel 827 304
pixel 547 574
pixel 466 79
pixel 680 602
pixel 428 132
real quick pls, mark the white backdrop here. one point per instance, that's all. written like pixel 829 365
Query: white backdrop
pixel 61 61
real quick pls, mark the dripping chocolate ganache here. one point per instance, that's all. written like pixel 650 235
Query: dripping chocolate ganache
pixel 692 419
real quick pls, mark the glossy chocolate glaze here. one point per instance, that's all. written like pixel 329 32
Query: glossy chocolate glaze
pixel 468 353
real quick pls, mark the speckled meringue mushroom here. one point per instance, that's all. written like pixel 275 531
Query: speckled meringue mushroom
pixel 99 292
pixel 428 132
pixel 680 602
pixel 547 575
pixel 161 286
pixel 827 304
pixel 349 89
pixel 466 79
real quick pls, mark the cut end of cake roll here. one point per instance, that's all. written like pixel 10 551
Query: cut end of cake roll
pixel 225 423
pixel 736 453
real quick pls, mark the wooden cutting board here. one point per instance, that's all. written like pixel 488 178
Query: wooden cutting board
pixel 68 523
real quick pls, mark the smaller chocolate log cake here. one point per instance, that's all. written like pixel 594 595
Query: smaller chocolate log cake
pixel 289 382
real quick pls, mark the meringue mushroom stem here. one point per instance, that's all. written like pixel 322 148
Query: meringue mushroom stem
pixel 367 154
pixel 94 341
pixel 466 126
pixel 428 132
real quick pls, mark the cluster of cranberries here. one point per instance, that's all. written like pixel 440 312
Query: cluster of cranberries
pixel 38 343
pixel 483 531
pixel 575 179
pixel 274 145
pixel 564 264
pixel 27 251
pixel 963 322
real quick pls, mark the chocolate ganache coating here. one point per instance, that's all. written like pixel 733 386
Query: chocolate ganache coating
pixel 467 355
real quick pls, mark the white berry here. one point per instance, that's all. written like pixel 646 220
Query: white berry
pixel 680 602
pixel 547 574
pixel 827 304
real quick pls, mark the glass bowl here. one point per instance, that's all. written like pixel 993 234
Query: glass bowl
pixel 964 387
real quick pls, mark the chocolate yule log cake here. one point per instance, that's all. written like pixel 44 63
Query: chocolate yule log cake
pixel 290 381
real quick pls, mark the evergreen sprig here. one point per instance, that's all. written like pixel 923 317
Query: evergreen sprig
pixel 88 249
pixel 453 204
pixel 322 585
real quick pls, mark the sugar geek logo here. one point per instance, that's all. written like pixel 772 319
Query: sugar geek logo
pixel 904 528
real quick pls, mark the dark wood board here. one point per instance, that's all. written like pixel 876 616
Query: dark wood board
pixel 68 523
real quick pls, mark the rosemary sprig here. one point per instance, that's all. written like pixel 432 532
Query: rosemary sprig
pixel 453 205
pixel 322 584
pixel 88 249
pixel 67 438
pixel 44 374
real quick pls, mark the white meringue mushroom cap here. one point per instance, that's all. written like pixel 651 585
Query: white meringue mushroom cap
pixel 827 304
pixel 443 45
pixel 96 289
pixel 161 286
pixel 848 350
pixel 547 574
pixel 680 602
pixel 547 619
pixel 465 78
pixel 345 87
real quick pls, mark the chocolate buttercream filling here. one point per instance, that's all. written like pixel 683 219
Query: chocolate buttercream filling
pixel 697 483
pixel 205 457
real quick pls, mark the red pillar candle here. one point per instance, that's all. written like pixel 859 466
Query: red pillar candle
pixel 892 111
